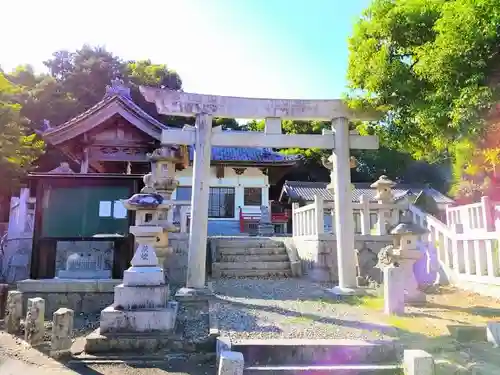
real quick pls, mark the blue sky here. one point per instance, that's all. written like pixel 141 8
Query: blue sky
pixel 254 48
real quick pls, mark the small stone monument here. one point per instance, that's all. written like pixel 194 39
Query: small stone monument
pixel 14 311
pixel 34 326
pixel 406 235
pixel 266 227
pixel 85 265
pixel 62 330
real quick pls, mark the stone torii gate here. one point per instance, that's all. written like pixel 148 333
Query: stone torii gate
pixel 203 137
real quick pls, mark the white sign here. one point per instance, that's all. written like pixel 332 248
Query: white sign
pixel 105 209
pixel 119 210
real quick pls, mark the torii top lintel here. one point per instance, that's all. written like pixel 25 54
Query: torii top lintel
pixel 186 104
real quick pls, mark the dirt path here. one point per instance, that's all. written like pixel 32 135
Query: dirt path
pixel 17 358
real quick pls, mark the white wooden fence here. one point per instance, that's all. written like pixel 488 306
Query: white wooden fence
pixel 471 255
pixel 369 217
pixel 465 247
pixel 472 217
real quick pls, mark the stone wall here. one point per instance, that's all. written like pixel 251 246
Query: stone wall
pixel 89 296
pixel 318 253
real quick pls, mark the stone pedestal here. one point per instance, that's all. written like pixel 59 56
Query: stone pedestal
pixel 141 309
pixel 265 229
pixel 140 303
pixel 413 294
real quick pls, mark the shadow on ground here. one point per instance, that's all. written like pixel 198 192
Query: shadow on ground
pixel 454 353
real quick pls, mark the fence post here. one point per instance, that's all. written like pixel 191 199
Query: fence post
pixel 295 223
pixel 183 218
pixel 319 211
pixel 365 215
pixel 487 213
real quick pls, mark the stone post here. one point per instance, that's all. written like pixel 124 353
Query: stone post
pixel 62 329
pixel 34 326
pixel 231 363
pixel 493 333
pixel 4 289
pixel 14 311
pixel 344 221
pixel 418 362
pixel 394 294
pixel 196 269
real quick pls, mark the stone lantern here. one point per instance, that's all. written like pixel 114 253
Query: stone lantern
pixel 386 218
pixel 406 236
pixel 163 183
pixel 384 189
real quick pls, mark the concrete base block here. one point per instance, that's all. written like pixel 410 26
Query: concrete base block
pixel 150 320
pixel 231 363
pixel 96 342
pixel 340 291
pixel 418 362
pixel 493 333
pixel 86 275
pixel 140 276
pixel 141 297
pixel 193 294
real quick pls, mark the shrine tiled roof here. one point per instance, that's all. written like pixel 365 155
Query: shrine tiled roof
pixel 118 100
pixel 306 190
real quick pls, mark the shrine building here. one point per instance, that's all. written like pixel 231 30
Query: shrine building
pixel 79 206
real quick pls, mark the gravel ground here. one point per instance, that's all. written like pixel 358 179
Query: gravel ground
pixel 290 308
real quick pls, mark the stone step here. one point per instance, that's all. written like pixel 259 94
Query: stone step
pixel 269 273
pixel 303 352
pixel 252 265
pixel 254 258
pixel 327 369
pixel 248 242
pixel 252 251
pixel 140 297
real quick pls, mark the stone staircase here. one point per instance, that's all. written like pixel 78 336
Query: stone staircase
pixel 318 357
pixel 250 257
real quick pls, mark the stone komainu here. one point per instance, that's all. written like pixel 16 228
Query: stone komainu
pixel 387 257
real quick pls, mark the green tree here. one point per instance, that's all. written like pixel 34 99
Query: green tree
pixel 371 163
pixel 77 80
pixel 18 149
pixel 431 66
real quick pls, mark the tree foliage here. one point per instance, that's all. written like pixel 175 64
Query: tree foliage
pixel 432 68
pixel 427 64
pixel 371 164
pixel 77 80
pixel 18 148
